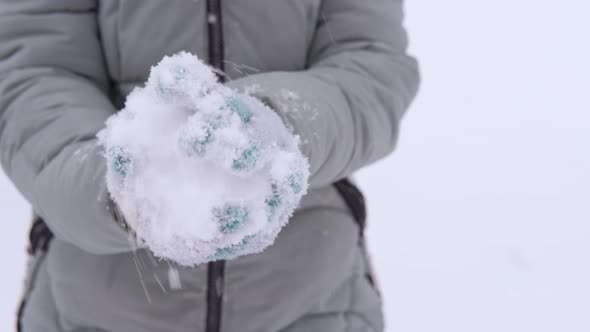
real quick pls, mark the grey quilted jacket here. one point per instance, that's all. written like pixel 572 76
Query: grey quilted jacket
pixel 67 65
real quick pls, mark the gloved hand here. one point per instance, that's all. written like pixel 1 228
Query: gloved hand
pixel 200 171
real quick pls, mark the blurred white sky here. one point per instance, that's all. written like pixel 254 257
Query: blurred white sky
pixel 481 219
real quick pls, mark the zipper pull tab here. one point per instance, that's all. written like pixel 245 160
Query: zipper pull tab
pixel 174 279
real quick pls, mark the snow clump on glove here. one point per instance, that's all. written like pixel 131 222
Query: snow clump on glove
pixel 200 171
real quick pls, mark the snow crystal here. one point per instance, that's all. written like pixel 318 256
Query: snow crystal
pixel 200 171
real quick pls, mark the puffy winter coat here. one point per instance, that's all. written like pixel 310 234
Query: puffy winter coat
pixel 336 70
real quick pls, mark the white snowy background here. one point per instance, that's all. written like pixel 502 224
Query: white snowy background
pixel 481 219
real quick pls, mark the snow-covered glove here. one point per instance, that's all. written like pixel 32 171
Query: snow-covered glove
pixel 201 172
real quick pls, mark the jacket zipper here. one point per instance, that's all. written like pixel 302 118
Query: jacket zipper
pixel 215 27
pixel 215 270
pixel 215 280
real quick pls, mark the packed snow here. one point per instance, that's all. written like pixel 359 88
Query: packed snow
pixel 200 171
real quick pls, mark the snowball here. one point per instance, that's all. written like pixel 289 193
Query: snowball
pixel 200 171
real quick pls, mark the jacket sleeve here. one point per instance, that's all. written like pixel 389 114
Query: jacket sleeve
pixel 53 101
pixel 348 104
